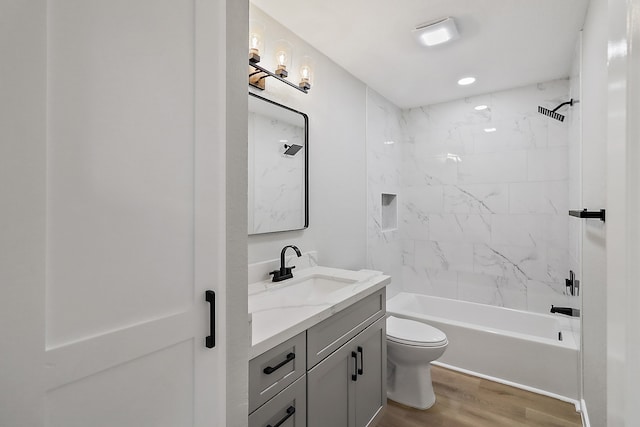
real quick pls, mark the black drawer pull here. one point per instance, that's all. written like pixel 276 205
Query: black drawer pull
pixel 210 297
pixel 271 369
pixel 290 411
pixel 361 352
pixel 354 376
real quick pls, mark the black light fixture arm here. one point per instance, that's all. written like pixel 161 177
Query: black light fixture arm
pixel 268 73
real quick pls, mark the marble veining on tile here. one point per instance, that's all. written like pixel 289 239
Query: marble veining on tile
pixel 482 213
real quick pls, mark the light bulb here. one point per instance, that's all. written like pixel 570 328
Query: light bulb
pixel 283 55
pixel 256 31
pixel 306 73
pixel 282 58
pixel 254 47
pixel 255 41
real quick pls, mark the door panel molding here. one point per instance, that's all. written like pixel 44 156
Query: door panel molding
pixel 71 362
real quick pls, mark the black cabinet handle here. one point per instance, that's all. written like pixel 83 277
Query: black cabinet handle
pixel 271 369
pixel 361 353
pixel 290 411
pixel 210 296
pixel 354 376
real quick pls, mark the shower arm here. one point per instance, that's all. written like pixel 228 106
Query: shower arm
pixel 571 102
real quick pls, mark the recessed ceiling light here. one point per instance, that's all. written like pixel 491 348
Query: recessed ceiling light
pixel 489 130
pixel 389 142
pixel 466 81
pixel 480 107
pixel 436 32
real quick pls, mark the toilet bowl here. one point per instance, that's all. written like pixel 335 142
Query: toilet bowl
pixel 411 347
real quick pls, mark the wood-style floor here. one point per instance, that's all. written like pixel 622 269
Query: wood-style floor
pixel 466 401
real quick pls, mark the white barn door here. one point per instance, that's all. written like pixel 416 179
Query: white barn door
pixel 113 201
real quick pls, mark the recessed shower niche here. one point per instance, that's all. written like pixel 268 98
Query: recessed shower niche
pixel 389 212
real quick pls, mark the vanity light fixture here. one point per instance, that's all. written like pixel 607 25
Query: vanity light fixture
pixel 436 32
pixel 258 74
pixel 465 81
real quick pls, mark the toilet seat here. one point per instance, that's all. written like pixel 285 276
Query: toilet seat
pixel 414 333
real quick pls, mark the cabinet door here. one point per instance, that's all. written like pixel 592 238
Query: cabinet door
pixel 330 391
pixel 371 390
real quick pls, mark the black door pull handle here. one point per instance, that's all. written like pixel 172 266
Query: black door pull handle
pixel 361 353
pixel 210 296
pixel 354 376
pixel 290 411
pixel 271 369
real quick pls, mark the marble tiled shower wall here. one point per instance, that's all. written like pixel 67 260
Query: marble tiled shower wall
pixel 482 215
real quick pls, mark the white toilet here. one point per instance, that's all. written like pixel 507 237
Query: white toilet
pixel 411 347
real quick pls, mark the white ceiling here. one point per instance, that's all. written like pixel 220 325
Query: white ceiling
pixel 503 43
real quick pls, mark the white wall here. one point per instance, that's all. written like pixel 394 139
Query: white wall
pixel 23 119
pixel 337 199
pixel 384 158
pixel 594 153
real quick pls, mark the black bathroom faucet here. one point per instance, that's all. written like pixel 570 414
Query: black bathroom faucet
pixel 284 272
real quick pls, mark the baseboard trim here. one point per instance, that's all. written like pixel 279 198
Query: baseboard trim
pixel 584 414
pixel 575 402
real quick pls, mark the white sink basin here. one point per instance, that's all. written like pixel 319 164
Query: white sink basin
pixel 281 309
pixel 315 287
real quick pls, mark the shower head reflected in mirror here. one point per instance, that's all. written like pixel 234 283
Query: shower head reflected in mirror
pixel 292 149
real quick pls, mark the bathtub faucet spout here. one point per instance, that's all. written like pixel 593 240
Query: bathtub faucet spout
pixel 574 312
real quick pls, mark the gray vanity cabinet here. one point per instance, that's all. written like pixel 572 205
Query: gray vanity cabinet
pixel 371 386
pixel 276 369
pixel 286 409
pixel 331 375
pixel 348 388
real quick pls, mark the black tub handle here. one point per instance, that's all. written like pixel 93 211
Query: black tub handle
pixel 271 369
pixel 290 411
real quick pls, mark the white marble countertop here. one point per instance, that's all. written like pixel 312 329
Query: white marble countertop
pixel 279 311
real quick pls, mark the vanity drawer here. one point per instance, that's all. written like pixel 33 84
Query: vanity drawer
pixel 328 335
pixel 288 408
pixel 275 369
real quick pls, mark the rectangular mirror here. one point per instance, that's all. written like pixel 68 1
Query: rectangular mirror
pixel 278 167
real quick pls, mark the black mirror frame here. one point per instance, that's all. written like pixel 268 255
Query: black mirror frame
pixel 306 164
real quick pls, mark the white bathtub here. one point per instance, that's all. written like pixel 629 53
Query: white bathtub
pixel 515 347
